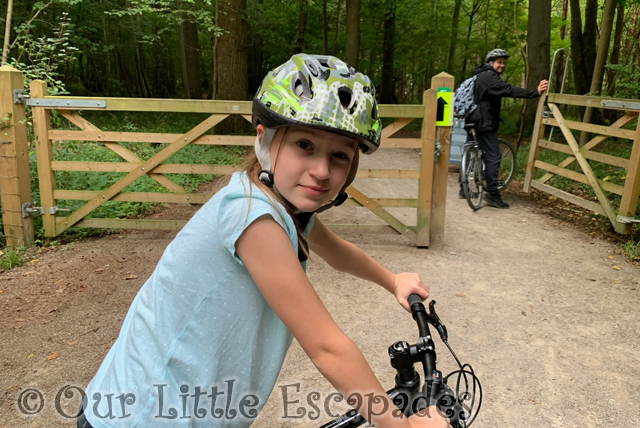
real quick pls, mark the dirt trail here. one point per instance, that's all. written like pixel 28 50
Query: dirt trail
pixel 547 315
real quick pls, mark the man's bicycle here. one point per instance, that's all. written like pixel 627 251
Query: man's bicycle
pixel 473 168
pixel 458 395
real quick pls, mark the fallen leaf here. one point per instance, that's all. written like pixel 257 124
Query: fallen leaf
pixel 131 277
pixel 30 355
pixel 1 291
pixel 80 288
pixel 616 267
pixel 34 260
pixel 461 295
pixel 607 178
pixel 72 343
pixel 524 313
pixel 52 356
pixel 610 257
pixel 21 319
pixel 99 270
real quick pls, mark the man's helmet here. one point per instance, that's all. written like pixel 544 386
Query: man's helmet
pixel 323 92
pixel 496 53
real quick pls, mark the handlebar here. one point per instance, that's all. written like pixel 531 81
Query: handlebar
pixel 460 406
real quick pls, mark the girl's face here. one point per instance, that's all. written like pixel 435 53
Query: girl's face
pixel 310 166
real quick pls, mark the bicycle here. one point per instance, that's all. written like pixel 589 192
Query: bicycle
pixel 473 168
pixel 460 406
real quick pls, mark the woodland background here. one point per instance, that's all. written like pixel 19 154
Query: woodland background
pixel 221 49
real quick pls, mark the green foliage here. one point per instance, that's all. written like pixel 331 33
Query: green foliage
pixel 42 57
pixel 628 76
pixel 12 257
pixel 632 250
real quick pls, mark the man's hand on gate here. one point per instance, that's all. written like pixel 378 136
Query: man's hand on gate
pixel 542 86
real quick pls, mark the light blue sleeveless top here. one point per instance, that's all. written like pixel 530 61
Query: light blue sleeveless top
pixel 199 346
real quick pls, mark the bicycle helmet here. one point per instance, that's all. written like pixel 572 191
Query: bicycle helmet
pixel 496 53
pixel 320 91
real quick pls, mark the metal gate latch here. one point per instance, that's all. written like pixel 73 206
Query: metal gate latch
pixel 54 210
pixel 28 209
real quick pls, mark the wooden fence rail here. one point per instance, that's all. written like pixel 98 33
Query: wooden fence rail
pixel 624 218
pixel 18 224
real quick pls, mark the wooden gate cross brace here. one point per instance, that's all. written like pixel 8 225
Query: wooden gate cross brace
pixel 122 151
pixel 64 223
pixel 591 144
pixel 584 164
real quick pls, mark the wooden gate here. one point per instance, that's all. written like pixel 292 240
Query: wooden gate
pixel 429 203
pixel 622 217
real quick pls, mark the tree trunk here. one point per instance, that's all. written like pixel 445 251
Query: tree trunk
pixel 335 36
pixel 386 85
pixel 583 45
pixel 303 9
pixel 7 32
pixel 475 7
pixel 352 46
pixel 538 51
pixel 615 53
pixel 189 56
pixel 325 30
pixel 560 66
pixel 231 60
pixel 454 36
pixel 601 59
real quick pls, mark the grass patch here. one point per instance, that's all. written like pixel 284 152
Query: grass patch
pixel 632 250
pixel 12 257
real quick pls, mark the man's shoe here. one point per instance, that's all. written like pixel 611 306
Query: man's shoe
pixel 495 201
pixel 461 194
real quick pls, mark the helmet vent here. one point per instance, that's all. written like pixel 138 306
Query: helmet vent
pixel 346 97
pixel 301 86
pixel 312 68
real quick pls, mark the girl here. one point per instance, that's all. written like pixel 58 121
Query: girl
pixel 206 336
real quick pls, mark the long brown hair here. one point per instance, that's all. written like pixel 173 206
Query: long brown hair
pixel 252 168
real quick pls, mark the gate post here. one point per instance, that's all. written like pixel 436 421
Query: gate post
pixel 439 196
pixel 631 190
pixel 15 181
pixel 425 185
pixel 44 156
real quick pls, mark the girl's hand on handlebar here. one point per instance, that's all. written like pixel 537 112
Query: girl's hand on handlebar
pixel 430 417
pixel 407 283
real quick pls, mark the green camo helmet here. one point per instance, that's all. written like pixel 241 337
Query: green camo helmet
pixel 320 91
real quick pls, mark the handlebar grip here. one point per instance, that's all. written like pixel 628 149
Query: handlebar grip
pixel 413 299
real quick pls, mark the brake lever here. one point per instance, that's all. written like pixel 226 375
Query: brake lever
pixel 435 321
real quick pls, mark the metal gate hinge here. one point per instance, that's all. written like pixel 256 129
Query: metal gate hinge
pixel 28 209
pixel 54 210
pixel 437 151
pixel 19 97
pixel 627 220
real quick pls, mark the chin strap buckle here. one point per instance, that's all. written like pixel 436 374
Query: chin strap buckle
pixel 339 200
pixel 266 177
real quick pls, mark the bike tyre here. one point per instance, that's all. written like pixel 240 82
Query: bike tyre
pixel 507 164
pixel 472 183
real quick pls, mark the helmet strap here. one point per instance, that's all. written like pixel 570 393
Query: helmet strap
pixel 262 148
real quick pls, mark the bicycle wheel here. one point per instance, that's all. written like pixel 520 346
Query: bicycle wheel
pixel 472 178
pixel 507 165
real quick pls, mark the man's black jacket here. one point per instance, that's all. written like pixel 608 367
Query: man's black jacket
pixel 489 90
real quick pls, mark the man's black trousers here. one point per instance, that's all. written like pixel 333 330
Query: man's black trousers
pixel 488 142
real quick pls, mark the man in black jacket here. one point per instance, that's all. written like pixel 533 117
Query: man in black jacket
pixel 488 94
